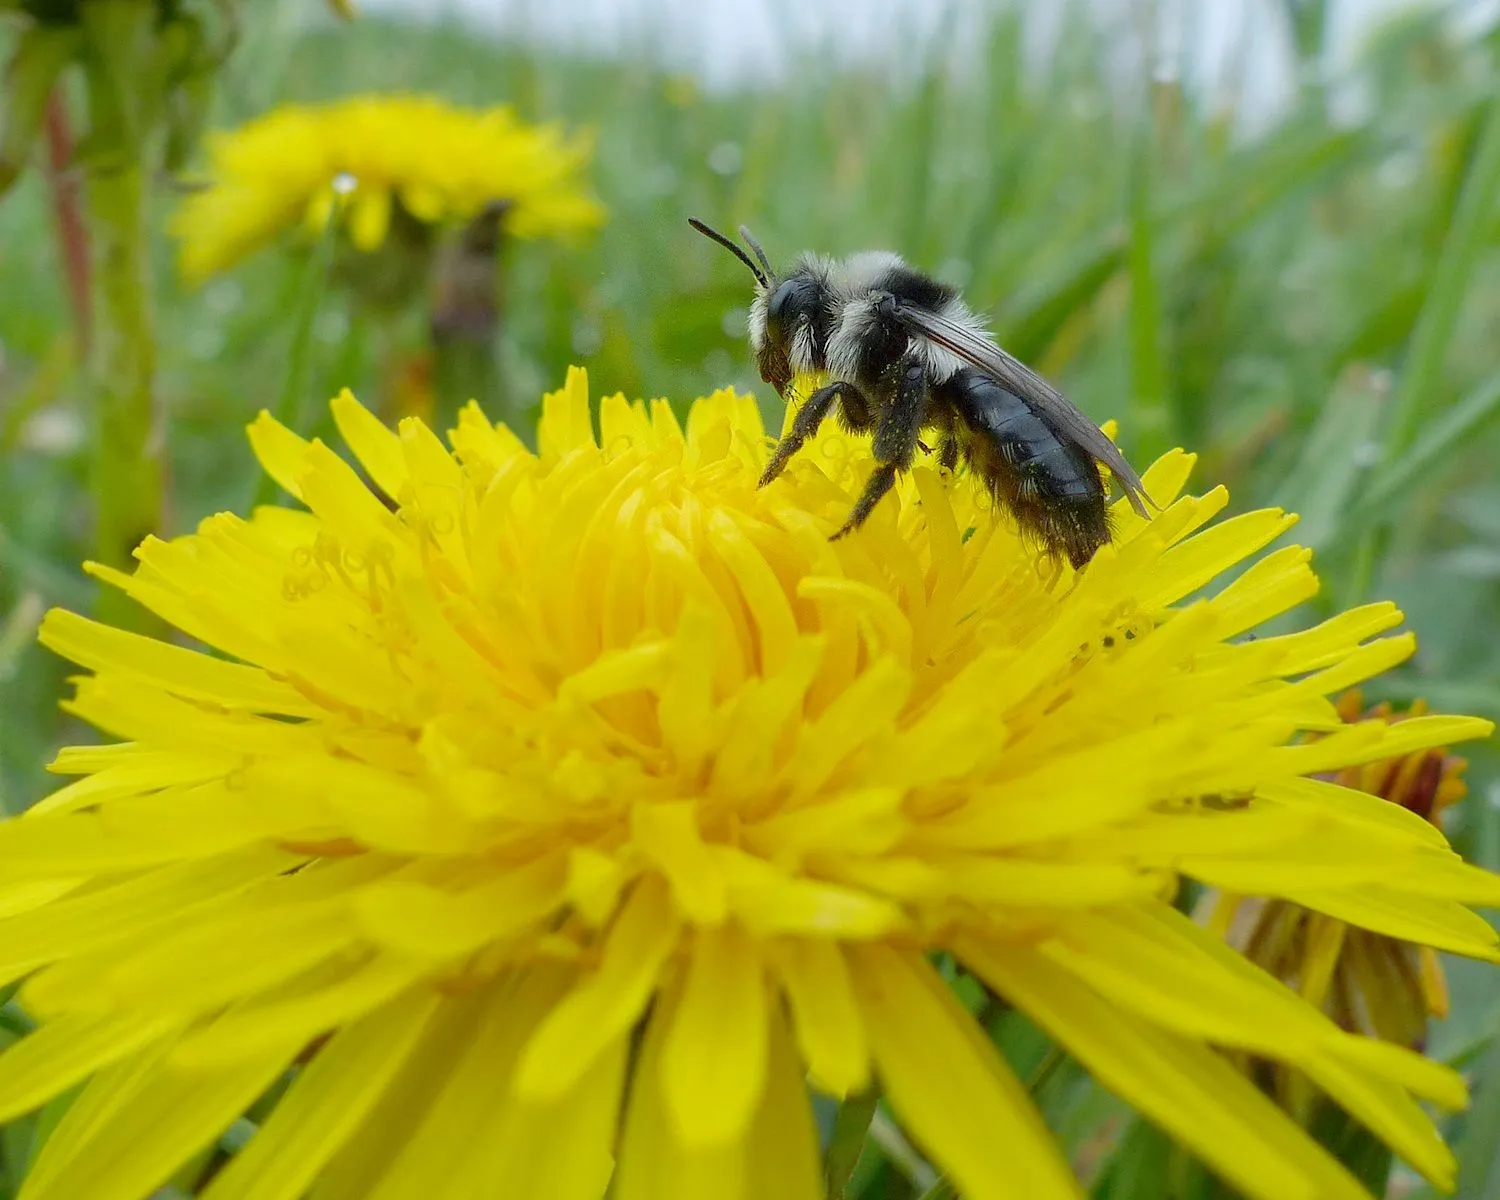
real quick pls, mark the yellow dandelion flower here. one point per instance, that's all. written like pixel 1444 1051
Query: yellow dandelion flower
pixel 561 824
pixel 1367 982
pixel 415 158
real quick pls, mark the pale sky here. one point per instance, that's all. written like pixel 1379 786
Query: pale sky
pixel 729 40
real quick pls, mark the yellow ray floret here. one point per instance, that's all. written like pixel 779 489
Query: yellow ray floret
pixel 600 760
pixel 434 161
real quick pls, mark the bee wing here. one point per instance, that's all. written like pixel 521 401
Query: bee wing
pixel 1051 404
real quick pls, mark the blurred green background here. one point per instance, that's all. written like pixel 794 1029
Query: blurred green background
pixel 1312 304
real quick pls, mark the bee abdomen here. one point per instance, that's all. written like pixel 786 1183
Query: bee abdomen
pixel 1052 487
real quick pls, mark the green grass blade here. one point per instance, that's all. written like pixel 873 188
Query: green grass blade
pixel 943 1189
pixel 1150 430
pixel 1141 1165
pixel 1418 465
pixel 1479 1149
pixel 1472 226
pixel 294 384
pixel 849 1130
pixel 1334 460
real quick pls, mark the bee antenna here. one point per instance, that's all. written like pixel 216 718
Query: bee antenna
pixel 754 245
pixel 715 235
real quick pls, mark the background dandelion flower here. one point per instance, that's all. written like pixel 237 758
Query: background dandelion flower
pixel 595 790
pixel 413 159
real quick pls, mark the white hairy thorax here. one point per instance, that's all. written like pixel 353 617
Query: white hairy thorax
pixel 855 285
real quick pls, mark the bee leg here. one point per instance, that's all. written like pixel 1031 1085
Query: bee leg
pixel 895 440
pixel 948 454
pixel 805 424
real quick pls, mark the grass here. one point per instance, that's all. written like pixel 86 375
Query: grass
pixel 1312 310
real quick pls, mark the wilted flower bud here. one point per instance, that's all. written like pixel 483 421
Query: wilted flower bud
pixel 1369 983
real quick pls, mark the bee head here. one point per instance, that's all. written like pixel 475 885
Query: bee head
pixel 778 314
pixel 769 311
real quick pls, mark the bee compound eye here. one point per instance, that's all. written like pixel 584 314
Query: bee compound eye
pixel 780 298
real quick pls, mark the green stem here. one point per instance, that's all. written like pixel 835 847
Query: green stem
pixel 127 468
pixel 128 436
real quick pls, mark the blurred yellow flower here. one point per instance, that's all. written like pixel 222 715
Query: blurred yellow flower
pixel 432 161
pixel 560 823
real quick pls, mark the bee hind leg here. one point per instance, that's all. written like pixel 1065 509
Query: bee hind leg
pixel 895 441
pixel 804 425
pixel 948 454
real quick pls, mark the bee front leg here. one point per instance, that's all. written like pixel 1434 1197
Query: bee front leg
pixel 805 425
pixel 895 441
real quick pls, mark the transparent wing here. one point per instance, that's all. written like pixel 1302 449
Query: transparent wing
pixel 1051 404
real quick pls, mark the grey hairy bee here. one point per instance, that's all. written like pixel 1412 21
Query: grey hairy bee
pixel 906 355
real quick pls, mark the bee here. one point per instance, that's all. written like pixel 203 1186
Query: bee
pixel 906 355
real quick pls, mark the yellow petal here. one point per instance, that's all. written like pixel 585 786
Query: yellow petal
pixel 474 1126
pixel 1410 918
pixel 1189 565
pixel 1182 1085
pixel 376 447
pixel 1280 581
pixel 173 825
pixel 328 1100
pixel 781 1152
pixel 768 901
pixel 668 836
pixel 565 423
pixel 604 1005
pixel 714 1061
pixel 183 672
pixel 562 1149
pixel 1172 983
pixel 1012 880
pixel 90 919
pixel 947 1083
pixel 861 713
pixel 830 1032
pixel 212 963
pixel 1371 813
pixel 1390 1113
pixel 655 1165
pixel 369 217
pixel 297 1012
pixel 1374 740
pixel 281 452
pixel 769 606
pixel 372 1146
pixel 66 1051
pixel 153 1127
pixel 423 921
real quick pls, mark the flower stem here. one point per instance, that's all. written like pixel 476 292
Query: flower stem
pixel 127 439
pixel 465 321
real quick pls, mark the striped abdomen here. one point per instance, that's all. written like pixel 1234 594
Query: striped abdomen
pixel 1052 486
